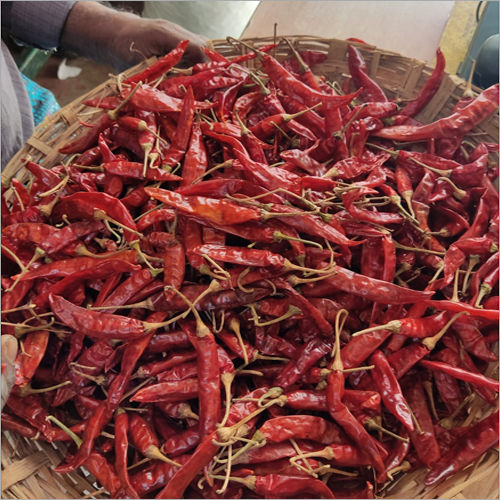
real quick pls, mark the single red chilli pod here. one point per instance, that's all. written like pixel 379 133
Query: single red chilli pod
pixel 461 374
pixel 363 286
pixel 11 423
pixel 121 452
pixel 372 109
pixel 181 390
pixel 67 267
pixel 472 338
pixel 262 175
pixel 241 255
pixel 477 440
pixel 397 454
pixel 134 170
pixel 32 410
pixel 183 476
pixel 13 298
pixel 45 177
pixel 214 56
pixel 413 327
pixel 174 259
pixel 306 400
pixel 92 431
pixel 127 289
pixel 450 305
pixel 302 160
pixel 281 486
pixel 131 122
pixel 89 139
pixel 307 357
pixel 312 225
pixel 381 218
pixel 290 85
pixel 488 266
pixel 316 183
pixel 427 92
pixel 459 122
pixel 196 160
pixel 149 99
pixel 103 269
pixel 208 374
pixel 453 357
pixel 159 215
pixel 179 372
pixel 185 122
pixel 103 471
pixel 106 153
pixel 94 323
pixel 283 466
pixel 370 90
pixel 279 429
pixel 276 451
pixel 108 102
pixel 214 188
pixel 144 439
pixel 141 434
pixel 177 85
pixel 87 205
pixel 221 212
pixel 268 126
pixel 358 349
pixel 424 439
pixel 174 359
pixel 389 389
pixel 405 358
pixel 154 476
pixel 30 357
pixel 161 66
pixel 348 422
pixel 131 355
pixel 182 442
pixel 50 239
pixel 162 342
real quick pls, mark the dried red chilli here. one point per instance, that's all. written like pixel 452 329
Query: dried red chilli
pixel 263 234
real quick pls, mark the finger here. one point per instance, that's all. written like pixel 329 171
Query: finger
pixel 9 353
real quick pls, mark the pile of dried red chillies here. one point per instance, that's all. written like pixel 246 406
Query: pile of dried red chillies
pixel 258 284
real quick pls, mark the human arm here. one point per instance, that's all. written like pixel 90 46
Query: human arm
pixel 106 35
pixel 97 32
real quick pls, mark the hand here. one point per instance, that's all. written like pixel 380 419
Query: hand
pixel 105 35
pixel 9 353
pixel 155 37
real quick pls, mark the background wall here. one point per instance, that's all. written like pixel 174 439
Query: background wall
pixel 214 19
pixel 413 28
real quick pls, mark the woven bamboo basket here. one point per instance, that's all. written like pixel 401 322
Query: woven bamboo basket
pixel 27 464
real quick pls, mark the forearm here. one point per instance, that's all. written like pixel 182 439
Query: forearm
pixel 107 35
pixel 91 29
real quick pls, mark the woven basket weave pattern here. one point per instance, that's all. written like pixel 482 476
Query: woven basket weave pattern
pixel 27 464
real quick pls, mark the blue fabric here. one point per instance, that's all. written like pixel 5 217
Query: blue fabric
pixel 43 102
